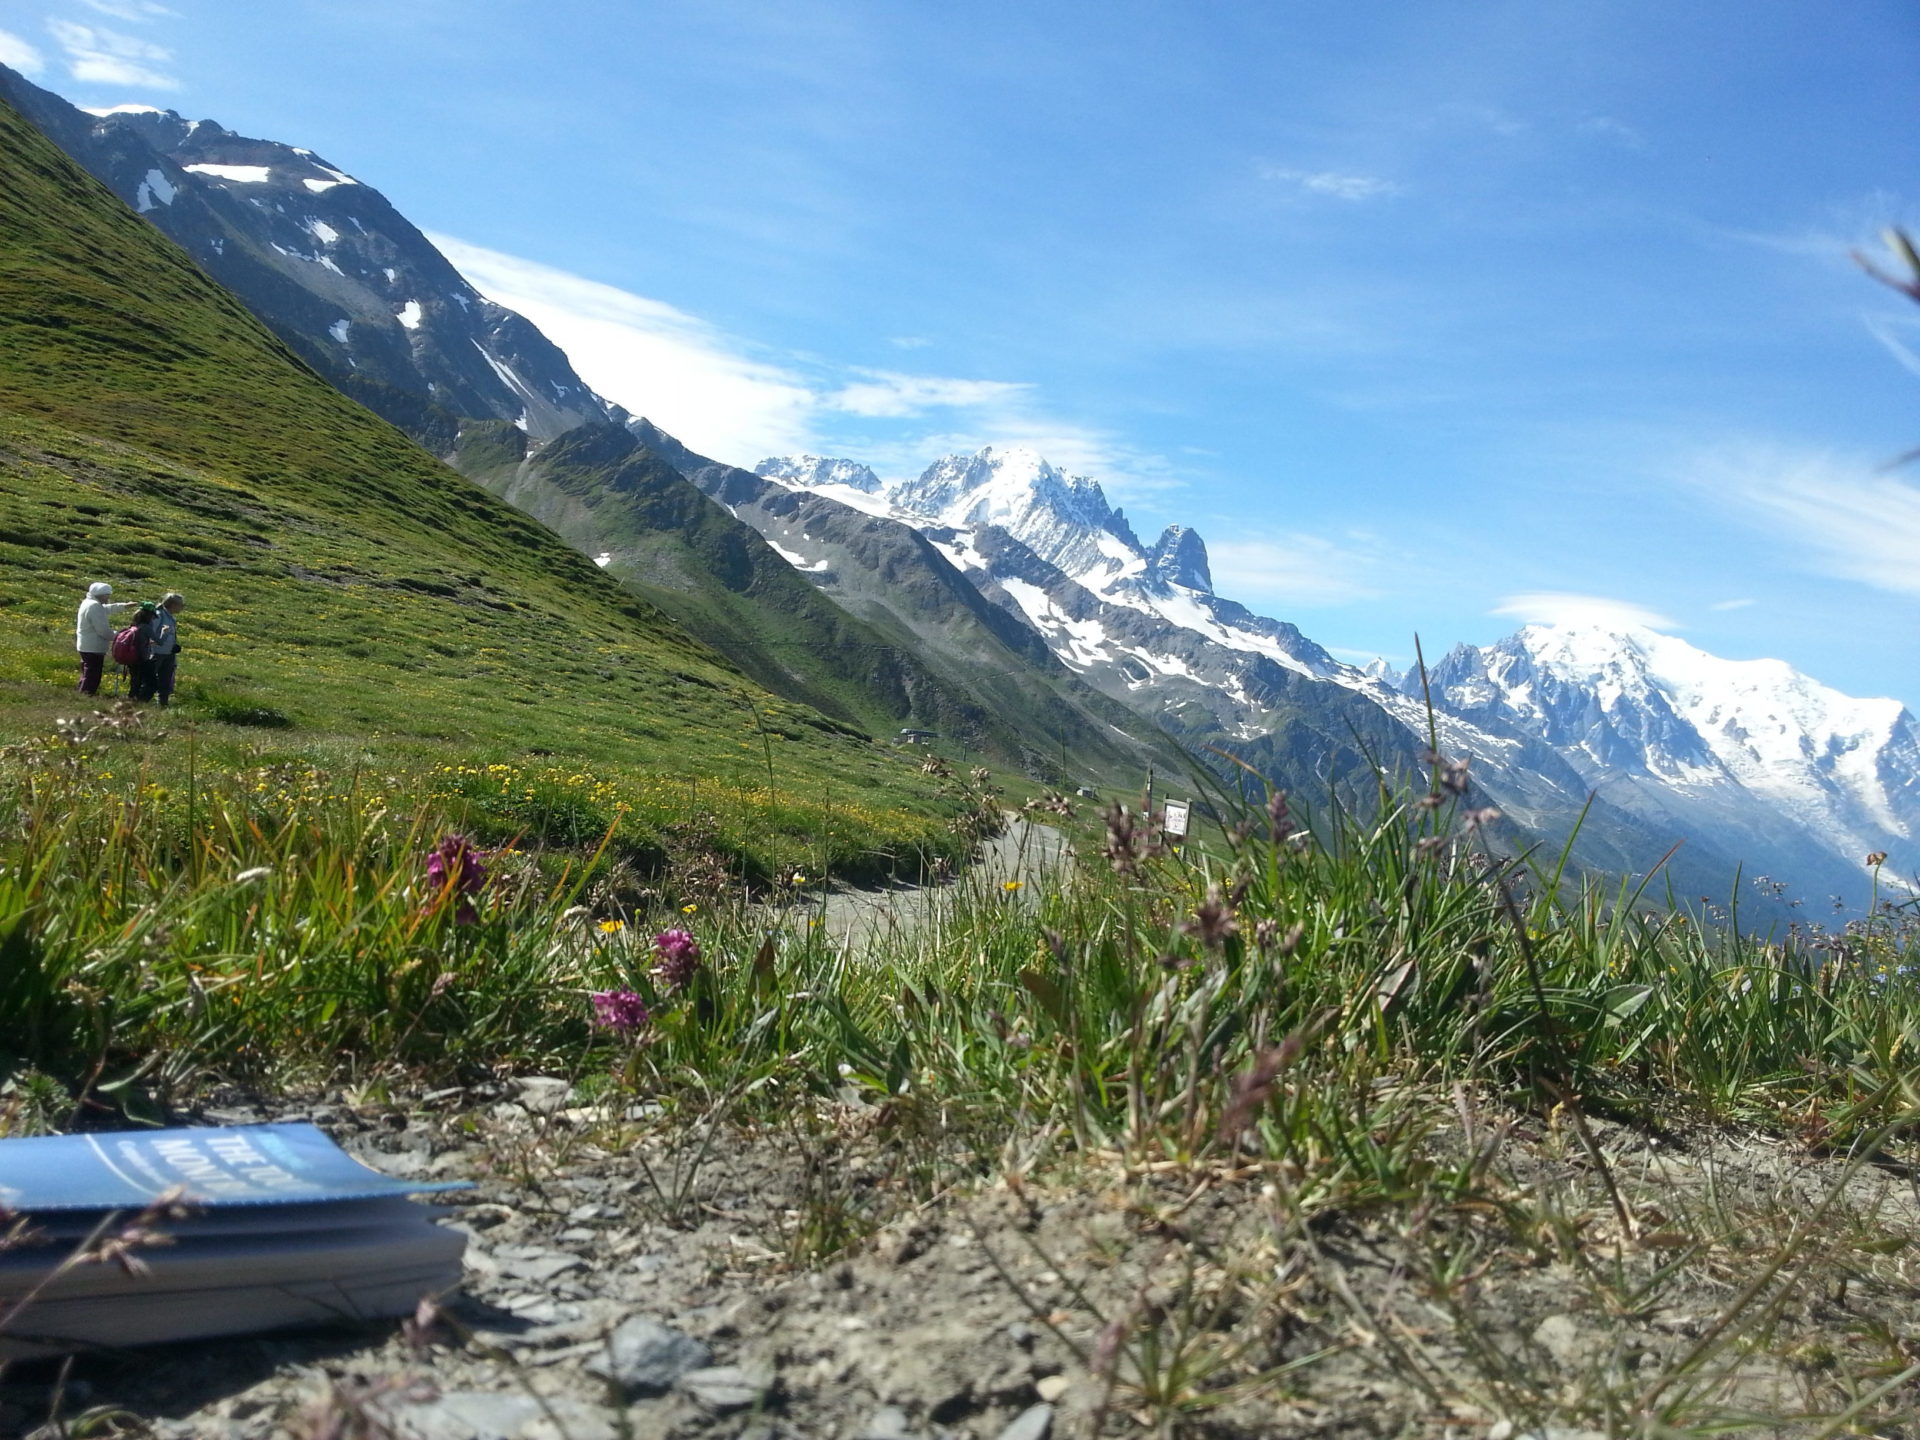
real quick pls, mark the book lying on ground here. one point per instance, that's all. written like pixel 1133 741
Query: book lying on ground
pixel 128 1239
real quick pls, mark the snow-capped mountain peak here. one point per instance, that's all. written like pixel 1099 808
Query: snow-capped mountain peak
pixel 814 471
pixel 1064 519
pixel 1631 706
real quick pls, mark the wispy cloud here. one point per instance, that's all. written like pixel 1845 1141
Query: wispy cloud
pixel 135 11
pixel 1605 127
pixel 108 57
pixel 1836 515
pixel 702 385
pixel 1562 607
pixel 1126 473
pixel 1490 118
pixel 886 393
pixel 1741 604
pixel 1294 570
pixel 726 398
pixel 1331 184
pixel 20 55
pixel 1842 228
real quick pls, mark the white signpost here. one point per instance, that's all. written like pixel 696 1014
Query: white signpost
pixel 1174 821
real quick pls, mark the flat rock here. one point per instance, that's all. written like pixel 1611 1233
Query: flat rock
pixel 644 1357
pixel 460 1415
pixel 723 1388
pixel 534 1263
pixel 889 1422
pixel 542 1094
pixel 1032 1423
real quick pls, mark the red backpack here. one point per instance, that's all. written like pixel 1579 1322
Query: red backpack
pixel 126 646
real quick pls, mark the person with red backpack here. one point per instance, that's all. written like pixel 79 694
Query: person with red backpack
pixel 93 633
pixel 133 648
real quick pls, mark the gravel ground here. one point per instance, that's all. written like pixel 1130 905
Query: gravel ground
pixel 844 1278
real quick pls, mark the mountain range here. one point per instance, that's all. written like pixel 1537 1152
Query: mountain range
pixel 1757 767
pixel 1000 600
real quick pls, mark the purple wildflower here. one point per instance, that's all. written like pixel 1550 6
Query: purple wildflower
pixel 676 958
pixel 620 1011
pixel 454 865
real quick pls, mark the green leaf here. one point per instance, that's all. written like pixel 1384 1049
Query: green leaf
pixel 1623 1001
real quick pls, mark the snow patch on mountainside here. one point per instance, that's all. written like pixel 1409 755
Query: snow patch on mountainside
pixel 237 174
pixel 154 189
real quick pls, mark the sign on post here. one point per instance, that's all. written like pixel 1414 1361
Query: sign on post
pixel 1173 823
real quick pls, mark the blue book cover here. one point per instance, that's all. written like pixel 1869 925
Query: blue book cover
pixel 240 1165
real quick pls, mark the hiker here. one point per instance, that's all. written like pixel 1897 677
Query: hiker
pixel 93 633
pixel 133 648
pixel 164 651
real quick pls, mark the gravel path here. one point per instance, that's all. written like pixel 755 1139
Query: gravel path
pixel 1024 852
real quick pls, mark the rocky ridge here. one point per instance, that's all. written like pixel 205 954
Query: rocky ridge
pixel 1752 765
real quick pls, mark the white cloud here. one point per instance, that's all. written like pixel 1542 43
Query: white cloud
pixel 1332 184
pixel 1561 607
pixel 884 392
pixel 1126 474
pixel 107 57
pixel 696 382
pixel 133 10
pixel 18 54
pixel 721 397
pixel 1605 127
pixel 1293 570
pixel 1740 604
pixel 1836 515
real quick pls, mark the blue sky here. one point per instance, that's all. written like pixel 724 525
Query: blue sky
pixel 1430 317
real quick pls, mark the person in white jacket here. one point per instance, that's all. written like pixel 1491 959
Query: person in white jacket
pixel 93 633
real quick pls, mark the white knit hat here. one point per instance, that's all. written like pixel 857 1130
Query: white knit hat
pixel 99 590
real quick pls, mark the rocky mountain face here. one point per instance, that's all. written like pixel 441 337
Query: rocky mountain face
pixel 1802 781
pixel 899 580
pixel 346 281
pixel 1752 766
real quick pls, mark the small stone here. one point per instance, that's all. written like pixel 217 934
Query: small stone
pixel 1561 1337
pixel 644 1357
pixel 534 1264
pixel 572 1422
pixel 1051 1387
pixel 543 1094
pixel 889 1422
pixel 1032 1423
pixel 723 1388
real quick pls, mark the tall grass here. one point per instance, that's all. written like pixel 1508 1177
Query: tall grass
pixel 1271 994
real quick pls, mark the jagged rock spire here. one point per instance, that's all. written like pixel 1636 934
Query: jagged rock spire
pixel 1179 557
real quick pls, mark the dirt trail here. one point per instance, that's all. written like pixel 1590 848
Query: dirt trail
pixel 1027 853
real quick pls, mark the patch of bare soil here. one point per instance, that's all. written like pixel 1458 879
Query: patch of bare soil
pixel 853 1274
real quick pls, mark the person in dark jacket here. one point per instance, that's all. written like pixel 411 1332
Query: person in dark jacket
pixel 140 669
pixel 165 650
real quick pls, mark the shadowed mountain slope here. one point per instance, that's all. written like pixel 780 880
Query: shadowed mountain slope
pixel 152 432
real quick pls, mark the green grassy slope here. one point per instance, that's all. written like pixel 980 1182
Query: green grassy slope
pixel 606 494
pixel 154 434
